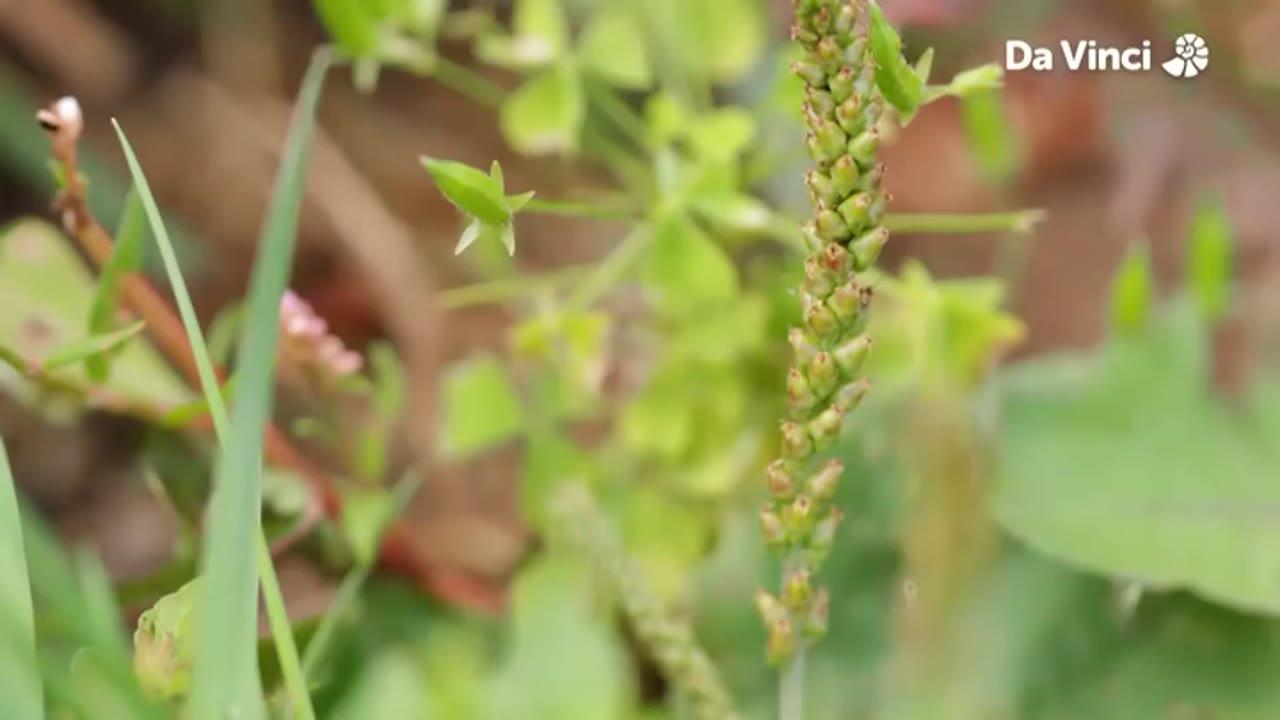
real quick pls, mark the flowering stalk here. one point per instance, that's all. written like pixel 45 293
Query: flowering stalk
pixel 842 109
pixel 667 640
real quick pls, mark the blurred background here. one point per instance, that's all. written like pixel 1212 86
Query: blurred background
pixel 1063 499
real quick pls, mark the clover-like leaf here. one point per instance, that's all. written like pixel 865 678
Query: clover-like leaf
pixel 481 408
pixel 611 49
pixel 545 115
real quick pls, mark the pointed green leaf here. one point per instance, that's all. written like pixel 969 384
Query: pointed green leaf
pixel 545 115
pixel 686 266
pixel 469 236
pixel 516 203
pixel 470 190
pixel 897 80
pixel 126 257
pixel 613 48
pixel 96 345
pixel 20 680
pixel 723 134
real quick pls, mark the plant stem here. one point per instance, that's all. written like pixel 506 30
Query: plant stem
pixel 579 209
pixel 1021 221
pixel 791 689
pixel 495 291
pixel 468 82
pixel 611 270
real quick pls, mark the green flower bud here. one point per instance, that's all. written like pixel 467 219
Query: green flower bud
pixel 864 146
pixel 796 442
pixel 782 641
pixel 850 395
pixel 846 19
pixel 818 281
pixel 872 179
pixel 829 52
pixel 845 176
pixel 797 517
pixel 826 427
pixel 797 588
pixel 823 537
pixel 823 374
pixel 811 72
pixel 830 141
pixel 850 116
pixel 841 84
pixel 803 35
pixel 817 614
pixel 856 52
pixel 831 228
pixel 771 527
pixel 770 608
pixel 836 259
pixel 813 240
pixel 866 249
pixel 875 215
pixel 821 321
pixel 821 189
pixel 847 302
pixel 822 19
pixel 800 393
pixel 801 346
pixel 855 210
pixel 821 486
pixel 852 354
pixel 782 484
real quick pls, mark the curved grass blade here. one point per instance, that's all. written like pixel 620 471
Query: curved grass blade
pixel 229 610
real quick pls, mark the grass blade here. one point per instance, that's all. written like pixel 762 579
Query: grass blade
pixel 20 681
pixel 228 619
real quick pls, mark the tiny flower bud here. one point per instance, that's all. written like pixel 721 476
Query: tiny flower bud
pixel 846 302
pixel 821 189
pixel 826 427
pixel 817 616
pixel 831 227
pixel 845 20
pixel 823 537
pixel 810 72
pixel 822 484
pixel 797 517
pixel 796 442
pixel 813 240
pixel 770 608
pixel 844 176
pixel 841 84
pixel 829 52
pixel 852 354
pixel 822 20
pixel 797 588
pixel 823 374
pixel 821 321
pixel 836 259
pixel 782 484
pixel 818 282
pixel 819 102
pixel 782 641
pixel 771 527
pixel 802 346
pixel 854 210
pixel 831 141
pixel 850 117
pixel 851 394
pixel 866 249
pixel 800 394
pixel 803 35
pixel 863 147
pixel 872 179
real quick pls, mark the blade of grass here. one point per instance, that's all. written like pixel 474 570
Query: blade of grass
pixel 20 681
pixel 228 617
pixel 404 491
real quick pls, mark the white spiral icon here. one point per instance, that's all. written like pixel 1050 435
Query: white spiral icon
pixel 1191 57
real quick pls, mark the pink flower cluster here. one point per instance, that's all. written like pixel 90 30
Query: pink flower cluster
pixel 307 340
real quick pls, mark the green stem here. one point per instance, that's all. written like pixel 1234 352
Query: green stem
pixel 611 270
pixel 468 82
pixel 1021 221
pixel 503 289
pixel 791 690
pixel 618 111
pixel 579 209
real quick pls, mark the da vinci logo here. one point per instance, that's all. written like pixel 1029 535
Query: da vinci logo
pixel 1190 57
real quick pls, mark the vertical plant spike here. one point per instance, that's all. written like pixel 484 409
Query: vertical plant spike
pixel 668 641
pixel 845 236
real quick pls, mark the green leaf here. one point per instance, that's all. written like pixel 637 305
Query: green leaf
pixel 544 116
pixel 733 211
pixel 1211 260
pixel 164 643
pixel 20 681
pixel 722 135
pixel 721 39
pixel 686 267
pixel 480 407
pixel 364 511
pixel 563 662
pixel 897 80
pixel 1125 464
pixel 613 48
pixel 126 257
pixel 351 24
pixel 540 37
pixel 89 347
pixel 1131 291
pixel 45 295
pixel 992 140
pixel 551 460
pixel 470 190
